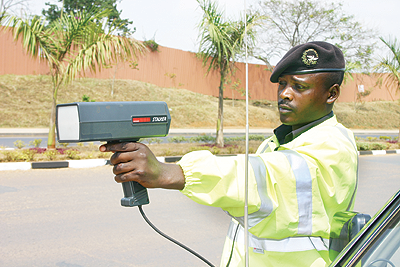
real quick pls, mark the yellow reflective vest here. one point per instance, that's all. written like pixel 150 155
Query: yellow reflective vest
pixel 294 191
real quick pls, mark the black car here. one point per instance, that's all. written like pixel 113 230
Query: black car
pixel 377 244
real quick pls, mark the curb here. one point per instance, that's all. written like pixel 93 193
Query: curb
pixel 91 163
pixel 85 163
pixel 379 152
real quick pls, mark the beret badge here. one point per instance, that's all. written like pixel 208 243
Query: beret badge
pixel 310 57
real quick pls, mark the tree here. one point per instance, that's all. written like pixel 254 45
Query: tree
pixel 391 65
pixel 290 23
pixel 71 45
pixel 113 16
pixel 221 41
pixel 7 5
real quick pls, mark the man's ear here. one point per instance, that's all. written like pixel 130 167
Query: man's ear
pixel 334 93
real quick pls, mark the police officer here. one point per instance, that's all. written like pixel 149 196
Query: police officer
pixel 298 178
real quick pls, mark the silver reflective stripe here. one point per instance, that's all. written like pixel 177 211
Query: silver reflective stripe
pixel 266 206
pixel 303 190
pixel 290 244
pixel 265 147
pixel 346 134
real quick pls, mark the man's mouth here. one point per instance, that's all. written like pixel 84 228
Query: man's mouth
pixel 284 108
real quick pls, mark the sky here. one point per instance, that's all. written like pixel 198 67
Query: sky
pixel 173 23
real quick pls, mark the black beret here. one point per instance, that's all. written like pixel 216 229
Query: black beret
pixel 309 58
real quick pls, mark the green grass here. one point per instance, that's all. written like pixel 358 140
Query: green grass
pixel 369 115
pixel 25 101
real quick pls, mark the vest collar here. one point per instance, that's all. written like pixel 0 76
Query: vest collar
pixel 285 134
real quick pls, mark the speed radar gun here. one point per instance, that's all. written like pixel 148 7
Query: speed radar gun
pixel 114 122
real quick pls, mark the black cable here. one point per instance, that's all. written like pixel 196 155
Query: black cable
pixel 173 240
pixel 233 244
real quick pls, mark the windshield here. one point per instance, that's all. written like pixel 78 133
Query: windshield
pixel 385 249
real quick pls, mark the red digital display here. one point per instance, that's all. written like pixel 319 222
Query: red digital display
pixel 140 120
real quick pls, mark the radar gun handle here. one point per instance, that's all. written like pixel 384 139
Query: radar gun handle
pixel 134 194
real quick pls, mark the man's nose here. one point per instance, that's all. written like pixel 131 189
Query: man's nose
pixel 286 93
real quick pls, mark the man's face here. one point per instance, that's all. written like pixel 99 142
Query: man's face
pixel 303 99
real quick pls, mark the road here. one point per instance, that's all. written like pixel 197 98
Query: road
pixel 72 218
pixel 379 179
pixel 7 139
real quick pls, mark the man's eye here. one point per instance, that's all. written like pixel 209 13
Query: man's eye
pixel 281 83
pixel 299 87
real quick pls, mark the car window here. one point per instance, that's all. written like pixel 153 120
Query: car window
pixel 385 249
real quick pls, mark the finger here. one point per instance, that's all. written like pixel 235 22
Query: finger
pixel 122 157
pixel 123 167
pixel 135 175
pixel 103 148
pixel 121 178
pixel 129 176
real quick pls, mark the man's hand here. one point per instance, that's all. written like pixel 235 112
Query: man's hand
pixel 135 162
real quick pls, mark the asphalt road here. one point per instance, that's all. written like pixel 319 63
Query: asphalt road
pixel 72 218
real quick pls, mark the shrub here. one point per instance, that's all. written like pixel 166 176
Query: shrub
pixel 257 137
pixel 157 140
pixel 152 45
pixel 12 156
pixel 168 152
pixel 236 138
pixel 177 139
pixel 362 146
pixel 28 154
pixel 51 154
pixel 86 98
pixel 38 150
pixel 61 151
pixel 19 144
pixel 72 154
pixel 379 146
pixel 215 150
pixel 35 143
pixel 232 149
pixel 196 148
pixel 151 140
pixel 252 137
pixel 63 144
pixel 202 138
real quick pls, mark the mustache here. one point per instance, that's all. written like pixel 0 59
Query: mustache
pixel 285 103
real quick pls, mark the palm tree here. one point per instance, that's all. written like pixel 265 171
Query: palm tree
pixel 221 41
pixel 11 6
pixel 71 45
pixel 391 65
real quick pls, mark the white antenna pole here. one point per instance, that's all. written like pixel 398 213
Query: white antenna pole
pixel 246 209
